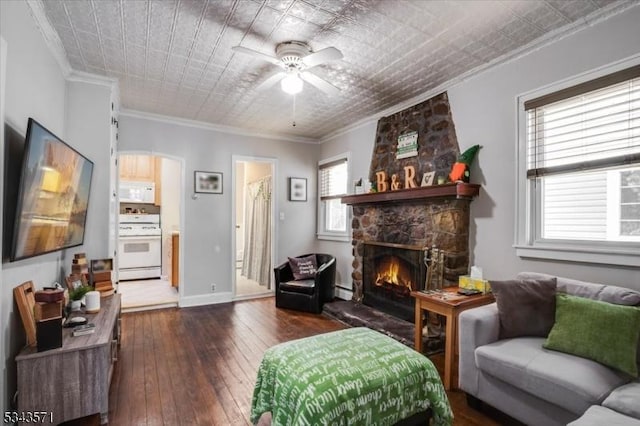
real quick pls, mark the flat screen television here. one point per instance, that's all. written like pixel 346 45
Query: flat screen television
pixel 53 197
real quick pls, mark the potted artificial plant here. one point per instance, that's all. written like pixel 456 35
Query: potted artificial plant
pixel 77 290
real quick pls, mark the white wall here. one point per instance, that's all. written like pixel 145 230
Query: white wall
pixel 255 170
pixel 359 142
pixel 208 222
pixel 78 113
pixel 484 112
pixel 88 130
pixel 35 87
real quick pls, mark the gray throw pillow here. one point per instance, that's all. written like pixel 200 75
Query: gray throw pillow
pixel 303 267
pixel 525 307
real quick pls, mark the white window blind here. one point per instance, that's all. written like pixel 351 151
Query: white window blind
pixel 583 153
pixel 575 206
pixel 333 179
pixel 594 129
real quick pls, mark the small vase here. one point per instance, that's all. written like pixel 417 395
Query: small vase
pixel 76 305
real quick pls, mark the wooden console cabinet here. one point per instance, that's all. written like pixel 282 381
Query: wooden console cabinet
pixel 73 381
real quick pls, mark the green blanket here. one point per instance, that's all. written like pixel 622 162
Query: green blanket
pixel 355 376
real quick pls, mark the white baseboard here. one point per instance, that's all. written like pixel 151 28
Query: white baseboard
pixel 149 307
pixel 343 294
pixel 205 299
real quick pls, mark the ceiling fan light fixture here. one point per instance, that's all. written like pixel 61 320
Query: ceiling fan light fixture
pixel 291 84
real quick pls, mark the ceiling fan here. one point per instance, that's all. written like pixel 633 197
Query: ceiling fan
pixel 296 61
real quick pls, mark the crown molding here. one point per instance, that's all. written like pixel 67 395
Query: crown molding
pixel 215 127
pixel 50 36
pixel 85 77
pixel 350 128
pixel 545 40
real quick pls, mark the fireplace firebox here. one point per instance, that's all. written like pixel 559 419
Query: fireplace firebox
pixel 390 273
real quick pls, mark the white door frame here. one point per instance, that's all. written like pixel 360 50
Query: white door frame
pixel 274 219
pixel 181 160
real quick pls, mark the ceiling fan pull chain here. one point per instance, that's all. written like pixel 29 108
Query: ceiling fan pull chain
pixel 294 111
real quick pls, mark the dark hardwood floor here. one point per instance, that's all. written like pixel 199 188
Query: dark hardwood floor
pixel 198 365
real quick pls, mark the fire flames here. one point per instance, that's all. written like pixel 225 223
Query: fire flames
pixel 391 273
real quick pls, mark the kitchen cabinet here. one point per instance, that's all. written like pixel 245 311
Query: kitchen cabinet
pixel 139 168
pixel 143 168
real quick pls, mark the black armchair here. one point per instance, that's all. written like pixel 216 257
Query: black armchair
pixel 306 295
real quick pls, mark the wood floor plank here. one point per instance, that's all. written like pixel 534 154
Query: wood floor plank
pixel 138 411
pixel 207 407
pixel 179 382
pixel 165 402
pixel 151 386
pixel 197 366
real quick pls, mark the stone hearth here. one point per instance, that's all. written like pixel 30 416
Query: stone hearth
pixel 359 315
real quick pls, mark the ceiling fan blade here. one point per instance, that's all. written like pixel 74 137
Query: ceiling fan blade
pixel 271 80
pixel 257 54
pixel 322 56
pixel 320 83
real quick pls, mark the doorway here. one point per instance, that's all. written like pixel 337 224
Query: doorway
pixel 253 236
pixel 150 218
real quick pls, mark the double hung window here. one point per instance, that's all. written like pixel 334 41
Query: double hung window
pixel 333 175
pixel 581 169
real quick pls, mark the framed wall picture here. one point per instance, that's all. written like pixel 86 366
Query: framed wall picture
pixel 208 182
pixel 101 265
pixel 297 189
pixel 75 281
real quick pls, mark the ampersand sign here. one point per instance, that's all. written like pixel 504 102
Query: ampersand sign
pixel 394 183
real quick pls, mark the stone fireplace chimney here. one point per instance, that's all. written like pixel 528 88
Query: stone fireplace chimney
pixel 422 216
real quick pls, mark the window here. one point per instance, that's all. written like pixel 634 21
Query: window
pixel 580 172
pixel 333 178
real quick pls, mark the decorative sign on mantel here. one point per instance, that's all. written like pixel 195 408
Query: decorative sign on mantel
pixel 382 183
pixel 407 145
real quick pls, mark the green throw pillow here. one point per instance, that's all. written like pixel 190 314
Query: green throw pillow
pixel 596 330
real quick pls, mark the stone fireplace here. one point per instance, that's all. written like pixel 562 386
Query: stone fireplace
pixel 390 273
pixel 419 218
pixel 407 214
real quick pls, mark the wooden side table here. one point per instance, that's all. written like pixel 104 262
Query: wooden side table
pixel 448 303
pixel 72 381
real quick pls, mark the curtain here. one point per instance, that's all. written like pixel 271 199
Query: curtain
pixel 256 262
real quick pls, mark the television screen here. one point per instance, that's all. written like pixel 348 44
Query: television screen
pixel 13 153
pixel 53 195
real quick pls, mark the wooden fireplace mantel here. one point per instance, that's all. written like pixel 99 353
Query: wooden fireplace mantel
pixel 458 190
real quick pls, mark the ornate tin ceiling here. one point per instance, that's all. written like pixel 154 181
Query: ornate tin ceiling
pixel 174 57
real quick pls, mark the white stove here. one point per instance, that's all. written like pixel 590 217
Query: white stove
pixel 140 246
pixel 139 224
pixel 134 230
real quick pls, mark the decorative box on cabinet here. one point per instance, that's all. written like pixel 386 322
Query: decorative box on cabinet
pixel 72 381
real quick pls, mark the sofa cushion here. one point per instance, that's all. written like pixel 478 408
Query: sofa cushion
pixel 299 286
pixel 303 268
pixel 600 331
pixel 600 416
pixel 566 380
pixel 525 307
pixel 625 399
pixel 604 293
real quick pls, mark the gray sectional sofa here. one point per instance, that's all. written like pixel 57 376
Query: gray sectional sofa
pixel 543 387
